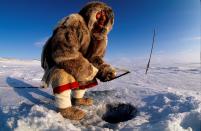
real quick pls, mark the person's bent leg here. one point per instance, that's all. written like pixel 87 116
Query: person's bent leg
pixel 62 83
pixel 78 94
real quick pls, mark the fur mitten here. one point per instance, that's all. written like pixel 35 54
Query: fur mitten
pixel 105 73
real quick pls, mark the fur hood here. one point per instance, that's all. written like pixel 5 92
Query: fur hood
pixel 89 11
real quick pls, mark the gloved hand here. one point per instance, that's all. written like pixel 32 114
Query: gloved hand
pixel 105 73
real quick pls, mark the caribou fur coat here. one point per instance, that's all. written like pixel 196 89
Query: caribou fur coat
pixel 74 45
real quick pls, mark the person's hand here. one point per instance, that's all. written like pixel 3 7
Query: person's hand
pixel 106 73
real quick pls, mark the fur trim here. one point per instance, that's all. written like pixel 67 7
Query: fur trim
pixel 43 84
pixel 89 11
pixel 93 74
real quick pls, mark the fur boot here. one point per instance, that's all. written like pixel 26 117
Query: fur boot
pixel 72 113
pixel 82 101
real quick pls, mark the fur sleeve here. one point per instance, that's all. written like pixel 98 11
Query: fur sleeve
pixel 66 55
pixel 97 51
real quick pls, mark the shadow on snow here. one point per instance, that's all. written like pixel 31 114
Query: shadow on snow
pixel 13 113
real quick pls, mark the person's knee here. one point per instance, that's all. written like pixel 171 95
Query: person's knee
pixel 61 77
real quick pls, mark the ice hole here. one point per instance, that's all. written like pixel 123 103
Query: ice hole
pixel 115 113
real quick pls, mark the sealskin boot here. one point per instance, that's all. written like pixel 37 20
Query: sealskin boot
pixel 82 101
pixel 72 113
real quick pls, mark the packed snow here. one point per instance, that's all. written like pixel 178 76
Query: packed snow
pixel 168 98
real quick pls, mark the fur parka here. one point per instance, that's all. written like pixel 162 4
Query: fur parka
pixel 74 46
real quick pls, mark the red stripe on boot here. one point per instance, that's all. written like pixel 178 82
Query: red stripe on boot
pixel 88 85
pixel 60 89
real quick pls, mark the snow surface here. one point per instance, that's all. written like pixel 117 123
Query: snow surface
pixel 167 99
